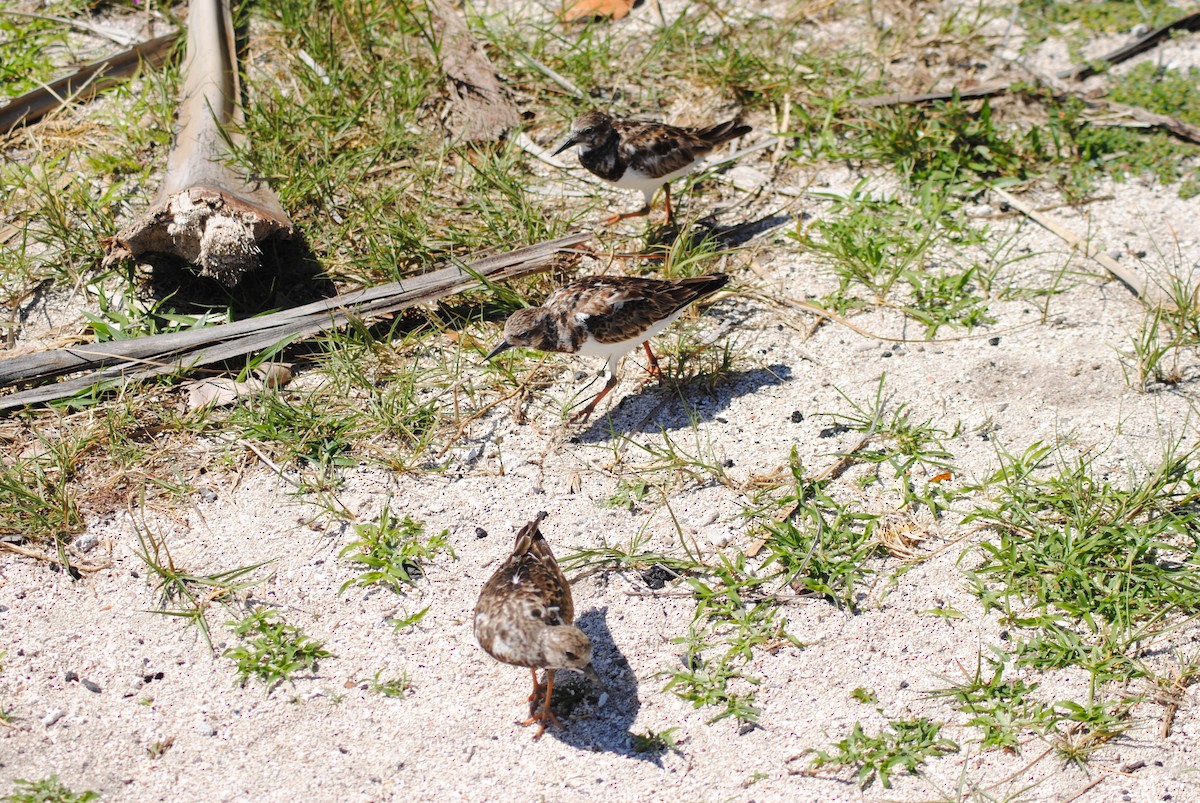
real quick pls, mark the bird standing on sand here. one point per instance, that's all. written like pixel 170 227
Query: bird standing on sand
pixel 524 617
pixel 606 316
pixel 644 155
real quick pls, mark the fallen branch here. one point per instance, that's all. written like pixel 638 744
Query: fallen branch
pixel 84 83
pixel 1120 272
pixel 125 361
pixel 1189 22
pixel 207 214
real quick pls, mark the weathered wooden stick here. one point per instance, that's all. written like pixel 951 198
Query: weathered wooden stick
pixel 1188 22
pixel 138 358
pixel 1127 277
pixel 84 83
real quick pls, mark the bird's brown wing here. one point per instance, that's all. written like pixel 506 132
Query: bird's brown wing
pixel 530 584
pixel 657 149
pixel 619 308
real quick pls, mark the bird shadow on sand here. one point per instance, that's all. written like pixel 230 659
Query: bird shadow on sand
pixel 662 238
pixel 671 407
pixel 588 725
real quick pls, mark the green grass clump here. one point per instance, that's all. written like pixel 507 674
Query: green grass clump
pixel 1046 18
pixel 1082 546
pixel 272 650
pixel 184 594
pixel 1004 709
pixel 905 744
pixel 47 790
pixel 906 254
pixel 823 546
pixel 393 550
pixel 27 47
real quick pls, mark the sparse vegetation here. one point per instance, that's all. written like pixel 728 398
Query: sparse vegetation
pixel 271 650
pixel 47 790
pixel 880 216
pixel 392 551
pixel 905 744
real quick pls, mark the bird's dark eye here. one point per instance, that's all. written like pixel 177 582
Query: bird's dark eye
pixel 587 130
pixel 572 656
pixel 536 613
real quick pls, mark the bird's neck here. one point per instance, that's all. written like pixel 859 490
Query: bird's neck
pixel 603 158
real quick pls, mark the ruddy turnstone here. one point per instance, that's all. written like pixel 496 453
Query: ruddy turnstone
pixel 524 615
pixel 644 155
pixel 605 316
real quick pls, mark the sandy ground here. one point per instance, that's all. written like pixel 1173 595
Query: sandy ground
pixel 325 736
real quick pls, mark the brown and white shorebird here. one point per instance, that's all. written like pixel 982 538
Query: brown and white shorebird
pixel 644 155
pixel 524 617
pixel 606 316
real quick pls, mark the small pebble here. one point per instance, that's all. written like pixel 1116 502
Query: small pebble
pixel 86 542
pixel 836 429
pixel 207 495
pixel 797 416
pixel 480 532
pixel 70 677
pixel 54 716
pixel 717 536
pixel 94 688
pixel 994 341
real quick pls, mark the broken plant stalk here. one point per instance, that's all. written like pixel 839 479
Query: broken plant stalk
pixel 207 213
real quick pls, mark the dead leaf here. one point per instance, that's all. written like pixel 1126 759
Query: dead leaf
pixel 583 9
pixel 223 391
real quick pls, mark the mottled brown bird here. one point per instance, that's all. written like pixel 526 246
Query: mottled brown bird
pixel 524 617
pixel 644 155
pixel 606 316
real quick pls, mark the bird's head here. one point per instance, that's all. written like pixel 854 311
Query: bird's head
pixel 525 327
pixel 568 647
pixel 589 130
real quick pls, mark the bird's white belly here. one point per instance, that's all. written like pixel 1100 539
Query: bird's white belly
pixel 613 352
pixel 633 180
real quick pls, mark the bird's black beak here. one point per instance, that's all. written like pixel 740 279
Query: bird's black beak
pixel 590 673
pixel 503 346
pixel 570 141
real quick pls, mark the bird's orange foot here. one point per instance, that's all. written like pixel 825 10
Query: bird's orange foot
pixel 617 218
pixel 543 718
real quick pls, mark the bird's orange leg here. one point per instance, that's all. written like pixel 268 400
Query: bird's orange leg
pixel 545 716
pixel 670 211
pixel 617 218
pixel 653 368
pixel 536 694
pixel 583 414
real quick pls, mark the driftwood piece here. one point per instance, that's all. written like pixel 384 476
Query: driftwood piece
pixel 207 213
pixel 896 99
pixel 84 83
pixel 1188 22
pixel 180 352
pixel 479 108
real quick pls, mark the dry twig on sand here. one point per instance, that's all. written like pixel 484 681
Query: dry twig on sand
pixel 84 83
